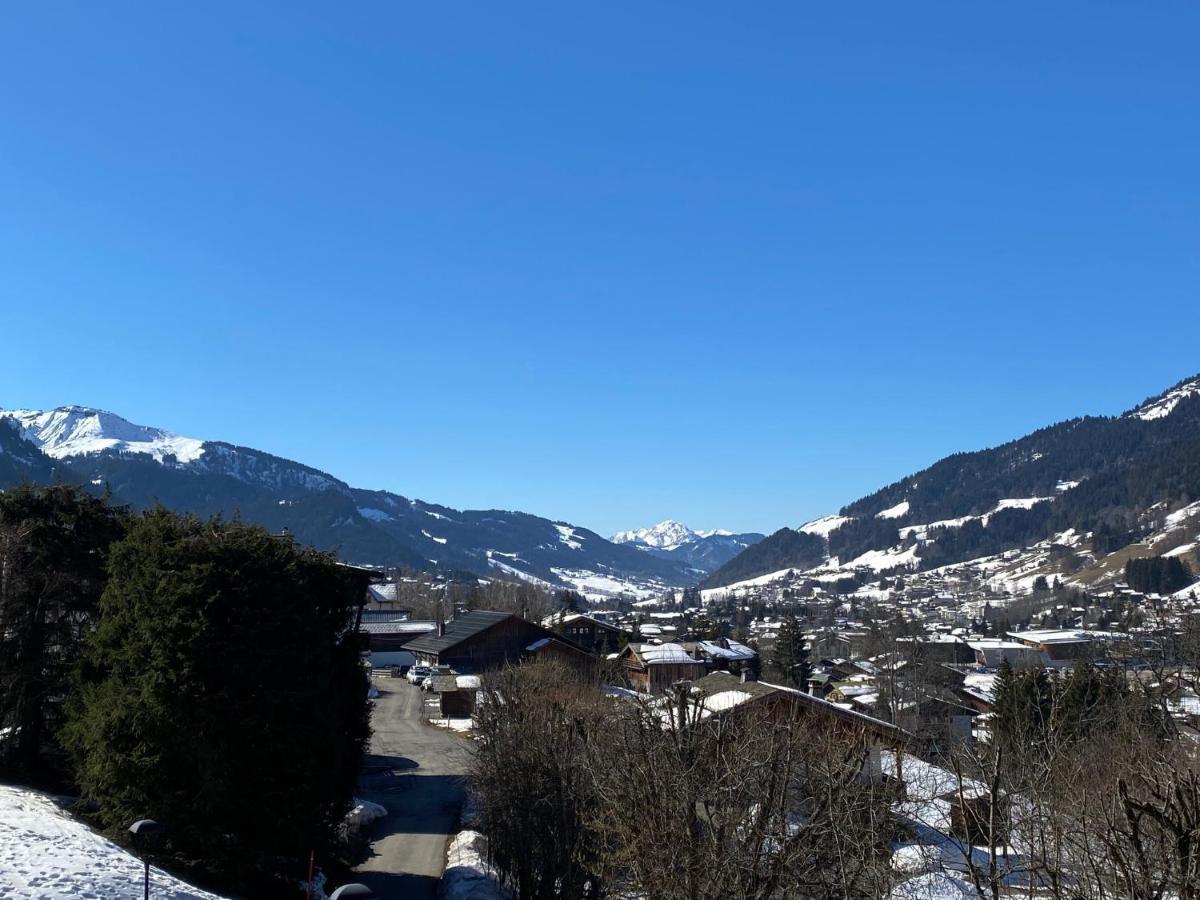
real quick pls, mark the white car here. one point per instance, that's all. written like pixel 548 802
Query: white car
pixel 418 674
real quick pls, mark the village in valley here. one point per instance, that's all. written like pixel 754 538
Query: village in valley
pixel 910 660
pixel 549 451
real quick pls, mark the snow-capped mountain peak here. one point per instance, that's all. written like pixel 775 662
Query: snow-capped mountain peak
pixel 666 535
pixel 1164 404
pixel 83 431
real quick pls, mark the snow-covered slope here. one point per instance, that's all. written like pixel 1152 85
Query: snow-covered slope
pixel 1164 404
pixel 1096 475
pixel 702 550
pixel 143 466
pixel 81 431
pixel 44 853
pixel 666 535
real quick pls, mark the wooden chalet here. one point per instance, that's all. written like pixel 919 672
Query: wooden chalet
pixel 480 640
pixel 590 634
pixel 652 668
pixel 722 694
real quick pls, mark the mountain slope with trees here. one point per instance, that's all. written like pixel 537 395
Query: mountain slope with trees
pixel 1114 479
pixel 144 466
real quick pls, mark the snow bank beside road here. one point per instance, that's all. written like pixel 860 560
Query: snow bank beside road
pixel 45 853
pixel 468 875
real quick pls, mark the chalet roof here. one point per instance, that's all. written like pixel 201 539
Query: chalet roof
pixel 727 650
pixel 663 654
pixel 459 629
pixel 383 593
pixel 1061 636
pixel 560 619
pixel 718 682
pixel 401 627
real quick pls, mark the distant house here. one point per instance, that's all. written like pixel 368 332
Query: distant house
pixel 590 634
pixel 384 597
pixel 480 640
pixel 723 694
pixel 943 649
pixel 1059 649
pixel 652 668
pixel 992 652
pixel 558 650
pixel 388 640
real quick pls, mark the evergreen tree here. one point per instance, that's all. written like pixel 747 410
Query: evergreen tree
pixel 790 654
pixel 53 546
pixel 223 695
pixel 571 602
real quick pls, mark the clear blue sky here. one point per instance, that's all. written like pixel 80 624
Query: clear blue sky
pixel 736 264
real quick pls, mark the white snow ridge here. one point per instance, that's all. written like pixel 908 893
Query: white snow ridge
pixel 81 430
pixel 1166 404
pixel 666 535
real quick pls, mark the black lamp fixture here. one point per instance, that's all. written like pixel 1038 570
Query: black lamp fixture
pixel 146 834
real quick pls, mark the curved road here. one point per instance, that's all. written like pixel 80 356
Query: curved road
pixel 416 771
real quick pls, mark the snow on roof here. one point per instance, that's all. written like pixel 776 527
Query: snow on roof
pixel 1061 636
pixel 924 781
pixel 467 682
pixel 46 853
pixel 658 654
pixel 538 644
pixel 734 651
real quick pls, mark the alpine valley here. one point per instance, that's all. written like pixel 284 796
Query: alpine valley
pixel 1072 501
pixel 142 466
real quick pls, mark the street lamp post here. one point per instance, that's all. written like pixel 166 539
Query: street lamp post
pixel 353 892
pixel 145 834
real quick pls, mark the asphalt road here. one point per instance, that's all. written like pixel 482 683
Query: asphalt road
pixel 415 771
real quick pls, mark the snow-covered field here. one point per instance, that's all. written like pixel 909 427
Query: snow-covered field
pixel 47 855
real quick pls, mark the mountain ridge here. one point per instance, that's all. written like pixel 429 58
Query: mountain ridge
pixel 1098 475
pixel 143 465
pixel 705 550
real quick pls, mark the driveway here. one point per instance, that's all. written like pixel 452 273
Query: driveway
pixel 415 771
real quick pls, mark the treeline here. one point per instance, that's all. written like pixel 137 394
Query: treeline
pixel 1082 786
pixel 1158 574
pixel 1124 467
pixel 585 797
pixel 785 549
pixel 198 672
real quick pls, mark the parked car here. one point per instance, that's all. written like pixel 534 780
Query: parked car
pixel 418 674
pixel 434 671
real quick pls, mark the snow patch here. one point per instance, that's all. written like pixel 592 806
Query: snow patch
pixel 1166 404
pixel 469 875
pixel 566 535
pixel 894 512
pixel 824 526
pixel 47 854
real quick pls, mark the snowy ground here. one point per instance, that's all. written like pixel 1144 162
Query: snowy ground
pixel 468 874
pixel 47 855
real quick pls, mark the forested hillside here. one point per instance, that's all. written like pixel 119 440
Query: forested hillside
pixel 1112 478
